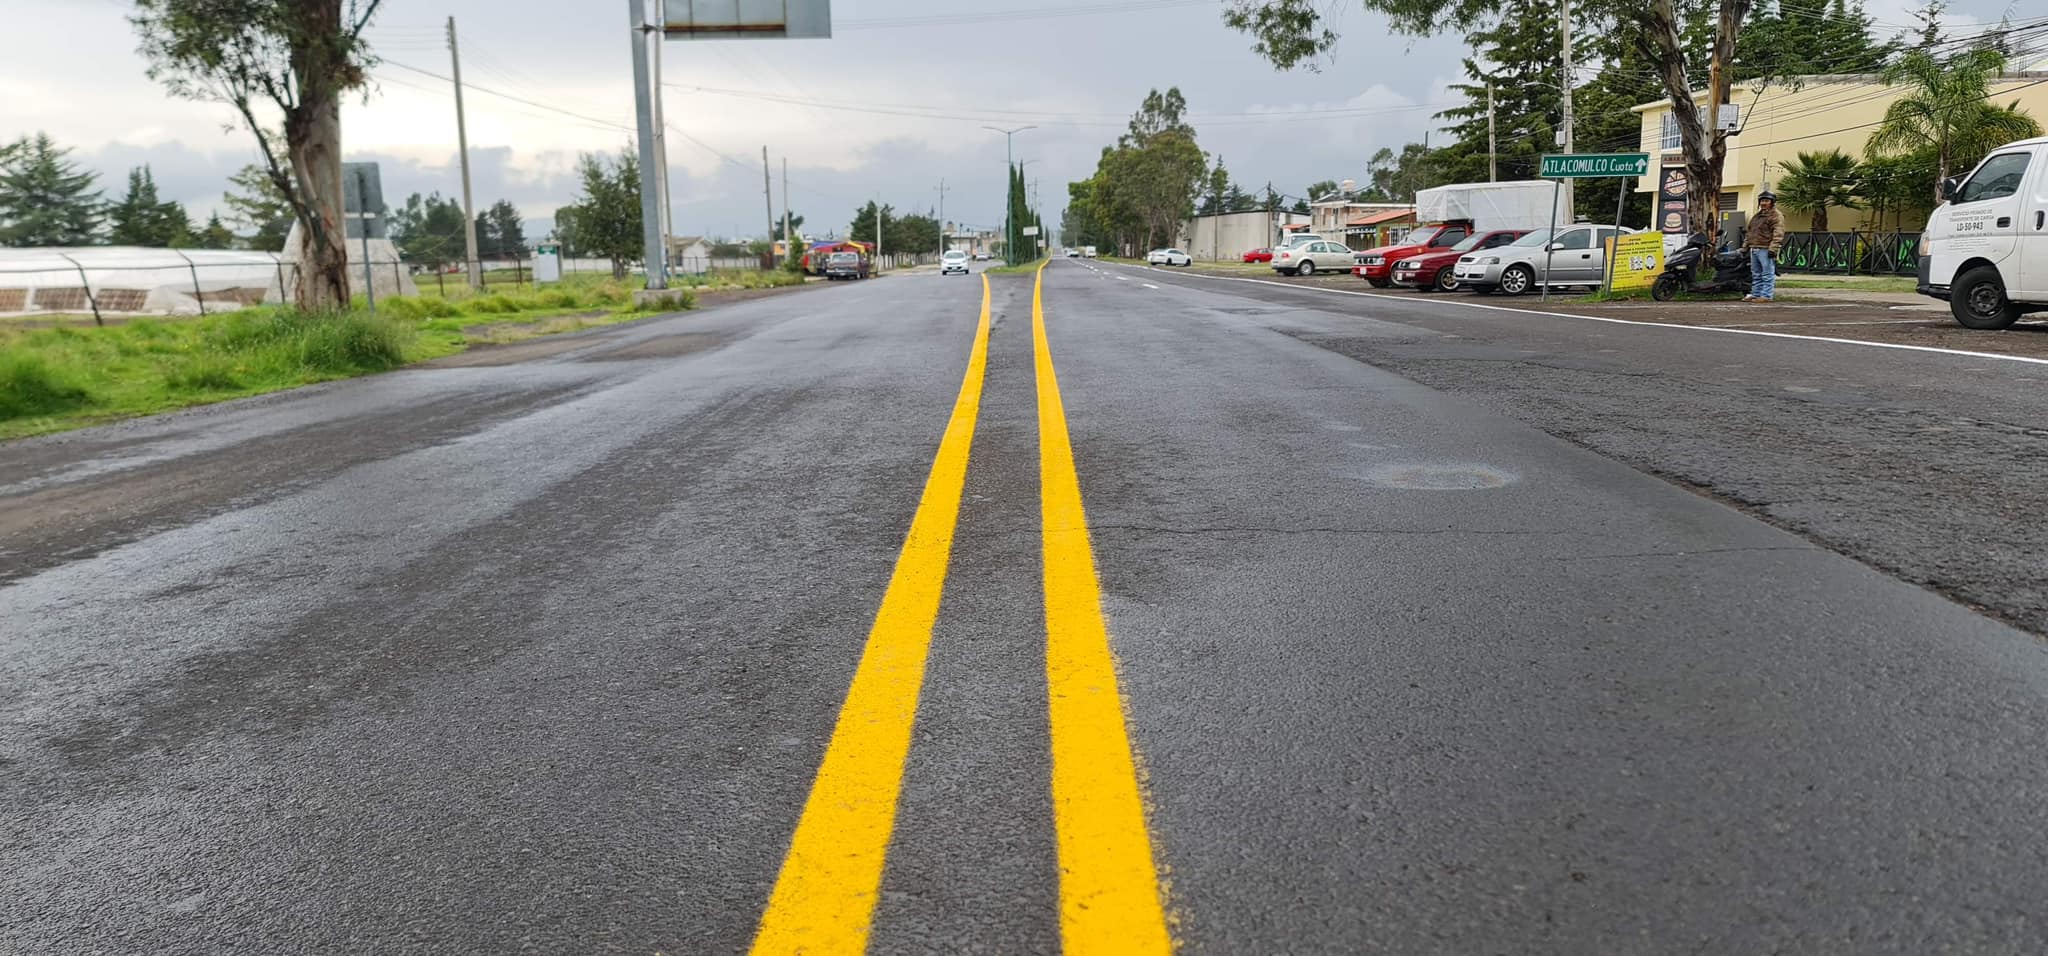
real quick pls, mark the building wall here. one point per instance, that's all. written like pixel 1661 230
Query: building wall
pixel 1826 112
pixel 1230 236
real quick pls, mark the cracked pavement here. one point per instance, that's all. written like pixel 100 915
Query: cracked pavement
pixel 1436 633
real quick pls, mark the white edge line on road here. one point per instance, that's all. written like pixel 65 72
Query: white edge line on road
pixel 1655 325
pixel 1148 285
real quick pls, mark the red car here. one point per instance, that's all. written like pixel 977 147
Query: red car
pixel 1259 255
pixel 1377 265
pixel 1438 269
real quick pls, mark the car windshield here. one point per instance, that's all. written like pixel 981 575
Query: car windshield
pixel 845 256
pixel 1422 236
pixel 956 255
pixel 1536 238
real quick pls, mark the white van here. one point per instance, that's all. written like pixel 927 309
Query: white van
pixel 1985 250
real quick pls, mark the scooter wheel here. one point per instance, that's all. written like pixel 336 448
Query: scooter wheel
pixel 1667 287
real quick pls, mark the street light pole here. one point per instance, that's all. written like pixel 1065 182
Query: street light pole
pixel 1009 169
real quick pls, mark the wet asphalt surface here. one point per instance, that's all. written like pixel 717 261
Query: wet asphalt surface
pixel 1420 653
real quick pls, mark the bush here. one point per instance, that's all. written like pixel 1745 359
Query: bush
pixel 350 342
pixel 30 386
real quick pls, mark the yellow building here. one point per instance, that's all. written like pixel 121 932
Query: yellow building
pixel 1811 114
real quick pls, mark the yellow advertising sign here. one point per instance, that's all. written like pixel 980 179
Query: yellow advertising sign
pixel 1634 261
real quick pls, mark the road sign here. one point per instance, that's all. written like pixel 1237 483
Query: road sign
pixel 1634 261
pixel 743 19
pixel 1593 165
pixel 1031 230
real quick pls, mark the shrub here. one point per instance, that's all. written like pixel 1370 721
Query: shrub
pixel 350 342
pixel 31 386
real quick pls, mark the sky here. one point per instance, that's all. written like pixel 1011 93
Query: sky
pixel 890 107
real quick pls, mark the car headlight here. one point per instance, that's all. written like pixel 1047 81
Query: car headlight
pixel 1490 261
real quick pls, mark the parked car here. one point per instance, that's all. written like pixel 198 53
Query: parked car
pixel 1985 250
pixel 1439 270
pixel 1169 257
pixel 1574 256
pixel 847 265
pixel 953 261
pixel 1307 258
pixel 1377 265
pixel 1259 255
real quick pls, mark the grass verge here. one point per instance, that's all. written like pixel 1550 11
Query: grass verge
pixel 63 377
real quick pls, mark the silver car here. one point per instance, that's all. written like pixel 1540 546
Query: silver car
pixel 1576 256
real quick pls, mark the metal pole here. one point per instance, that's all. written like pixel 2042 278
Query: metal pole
pixel 1492 143
pixel 1564 22
pixel 668 225
pixel 788 233
pixel 652 249
pixel 768 200
pixel 476 266
pixel 198 294
pixel 942 216
pixel 1549 250
pixel 86 284
pixel 369 279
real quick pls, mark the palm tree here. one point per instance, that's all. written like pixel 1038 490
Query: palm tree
pixel 1816 181
pixel 1946 111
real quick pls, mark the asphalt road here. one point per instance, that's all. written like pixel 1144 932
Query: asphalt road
pixel 1425 637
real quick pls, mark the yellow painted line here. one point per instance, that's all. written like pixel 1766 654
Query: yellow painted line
pixel 825 897
pixel 1109 887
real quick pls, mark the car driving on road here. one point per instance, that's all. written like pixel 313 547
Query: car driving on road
pixel 846 265
pixel 1169 257
pixel 953 261
pixel 1573 256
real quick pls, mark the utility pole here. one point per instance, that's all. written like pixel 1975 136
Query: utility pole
pixel 1564 22
pixel 1492 143
pixel 476 266
pixel 654 249
pixel 878 232
pixel 788 237
pixel 768 199
pixel 942 215
pixel 661 148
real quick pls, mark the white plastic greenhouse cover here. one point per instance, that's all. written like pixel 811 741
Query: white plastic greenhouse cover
pixel 137 280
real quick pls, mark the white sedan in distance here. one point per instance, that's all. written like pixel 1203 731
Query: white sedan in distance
pixel 1169 257
pixel 953 261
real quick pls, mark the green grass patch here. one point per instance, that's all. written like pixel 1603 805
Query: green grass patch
pixel 62 377
pixel 1847 283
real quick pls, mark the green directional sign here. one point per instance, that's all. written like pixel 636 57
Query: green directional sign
pixel 1591 165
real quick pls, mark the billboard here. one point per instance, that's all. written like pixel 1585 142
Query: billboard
pixel 739 19
pixel 1672 217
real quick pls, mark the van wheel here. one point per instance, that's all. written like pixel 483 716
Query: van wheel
pixel 1978 301
pixel 1517 280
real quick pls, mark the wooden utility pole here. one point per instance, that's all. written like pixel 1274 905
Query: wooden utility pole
pixel 788 237
pixel 768 199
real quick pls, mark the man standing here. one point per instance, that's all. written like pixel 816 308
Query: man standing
pixel 1766 236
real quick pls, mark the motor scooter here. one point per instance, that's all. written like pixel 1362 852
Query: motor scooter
pixel 1731 271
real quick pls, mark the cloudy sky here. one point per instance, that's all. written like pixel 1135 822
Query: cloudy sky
pixel 894 103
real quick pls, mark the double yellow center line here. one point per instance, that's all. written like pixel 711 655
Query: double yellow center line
pixel 824 899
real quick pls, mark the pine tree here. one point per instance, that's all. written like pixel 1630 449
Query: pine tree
pixel 142 218
pixel 507 229
pixel 214 236
pixel 45 200
pixel 1929 30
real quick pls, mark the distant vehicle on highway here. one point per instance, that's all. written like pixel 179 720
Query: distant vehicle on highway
pixel 1169 257
pixel 1438 270
pixel 1573 256
pixel 1087 252
pixel 981 257
pixel 1073 253
pixel 1259 255
pixel 847 265
pixel 1308 258
pixel 953 260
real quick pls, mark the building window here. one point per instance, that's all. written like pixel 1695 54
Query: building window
pixel 1669 138
pixel 1729 203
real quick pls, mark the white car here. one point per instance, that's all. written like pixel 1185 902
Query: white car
pixel 953 261
pixel 1169 257
pixel 1308 258
pixel 981 257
